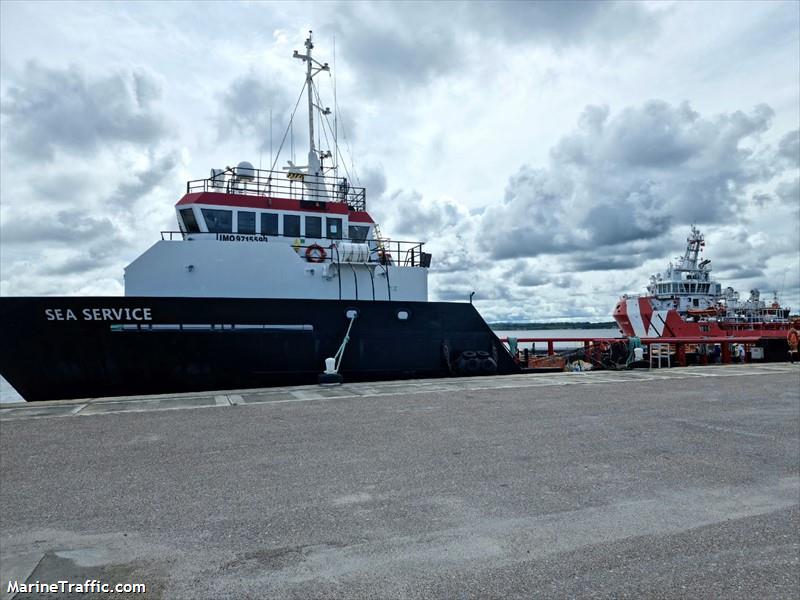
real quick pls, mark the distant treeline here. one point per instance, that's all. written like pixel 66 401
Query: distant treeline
pixel 555 325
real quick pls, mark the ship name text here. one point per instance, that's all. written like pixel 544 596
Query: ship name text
pixel 235 237
pixel 99 314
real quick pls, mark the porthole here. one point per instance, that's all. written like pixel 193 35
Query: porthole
pixel 403 315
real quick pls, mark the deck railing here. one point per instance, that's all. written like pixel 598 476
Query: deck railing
pixel 282 184
pixel 384 252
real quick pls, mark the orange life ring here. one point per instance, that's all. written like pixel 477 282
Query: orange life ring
pixel 315 253
pixel 793 338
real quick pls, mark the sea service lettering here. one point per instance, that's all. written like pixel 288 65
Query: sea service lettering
pixel 99 314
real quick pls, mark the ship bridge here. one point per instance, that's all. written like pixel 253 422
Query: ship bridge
pixel 252 201
pixel 286 206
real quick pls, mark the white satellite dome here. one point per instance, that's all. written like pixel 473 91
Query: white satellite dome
pixel 246 171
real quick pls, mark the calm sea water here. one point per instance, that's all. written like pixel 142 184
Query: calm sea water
pixel 9 394
pixel 556 334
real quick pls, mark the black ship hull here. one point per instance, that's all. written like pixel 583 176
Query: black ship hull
pixel 72 347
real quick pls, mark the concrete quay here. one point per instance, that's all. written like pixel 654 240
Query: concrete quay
pixel 674 483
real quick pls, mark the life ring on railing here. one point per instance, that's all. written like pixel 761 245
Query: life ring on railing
pixel 315 253
pixel 792 338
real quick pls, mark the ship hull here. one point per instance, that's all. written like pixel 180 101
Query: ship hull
pixel 70 347
pixel 637 317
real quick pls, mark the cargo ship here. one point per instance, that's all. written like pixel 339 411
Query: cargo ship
pixel 272 277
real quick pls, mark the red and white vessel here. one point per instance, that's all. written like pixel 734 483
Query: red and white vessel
pixel 684 303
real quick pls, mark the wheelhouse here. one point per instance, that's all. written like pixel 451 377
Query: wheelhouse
pixel 256 202
pixel 292 208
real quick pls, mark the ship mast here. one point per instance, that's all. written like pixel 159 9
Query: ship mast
pixel 693 244
pixel 313 67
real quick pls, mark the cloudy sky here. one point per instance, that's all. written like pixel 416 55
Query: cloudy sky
pixel 553 155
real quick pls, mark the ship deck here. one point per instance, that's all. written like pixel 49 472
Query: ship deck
pixel 676 482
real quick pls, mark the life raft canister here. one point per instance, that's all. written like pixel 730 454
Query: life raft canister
pixel 315 253
pixel 793 338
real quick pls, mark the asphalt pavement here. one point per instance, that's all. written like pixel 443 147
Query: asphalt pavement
pixel 682 483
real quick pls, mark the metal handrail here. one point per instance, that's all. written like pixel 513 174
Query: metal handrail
pixel 280 184
pixel 393 252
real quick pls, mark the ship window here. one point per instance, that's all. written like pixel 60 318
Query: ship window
pixel 247 222
pixel 334 228
pixel 358 233
pixel 291 225
pixel 269 224
pixel 218 221
pixel 189 222
pixel 314 227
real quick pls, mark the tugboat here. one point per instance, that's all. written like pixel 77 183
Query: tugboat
pixel 684 302
pixel 273 277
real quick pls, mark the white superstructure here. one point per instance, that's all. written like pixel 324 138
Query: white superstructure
pixel 299 233
pixel 687 287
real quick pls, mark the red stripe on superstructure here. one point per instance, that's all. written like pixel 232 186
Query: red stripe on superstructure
pixel 360 217
pixel 244 201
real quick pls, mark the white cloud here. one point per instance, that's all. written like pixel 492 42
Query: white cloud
pixel 552 154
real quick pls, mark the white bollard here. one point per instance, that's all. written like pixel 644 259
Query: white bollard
pixel 330 366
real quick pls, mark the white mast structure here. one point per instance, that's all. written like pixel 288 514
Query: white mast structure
pixel 313 181
pixel 693 245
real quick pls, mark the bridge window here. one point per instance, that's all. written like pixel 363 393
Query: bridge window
pixel 189 222
pixel 269 224
pixel 314 227
pixel 358 233
pixel 218 221
pixel 291 225
pixel 246 222
pixel 334 226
